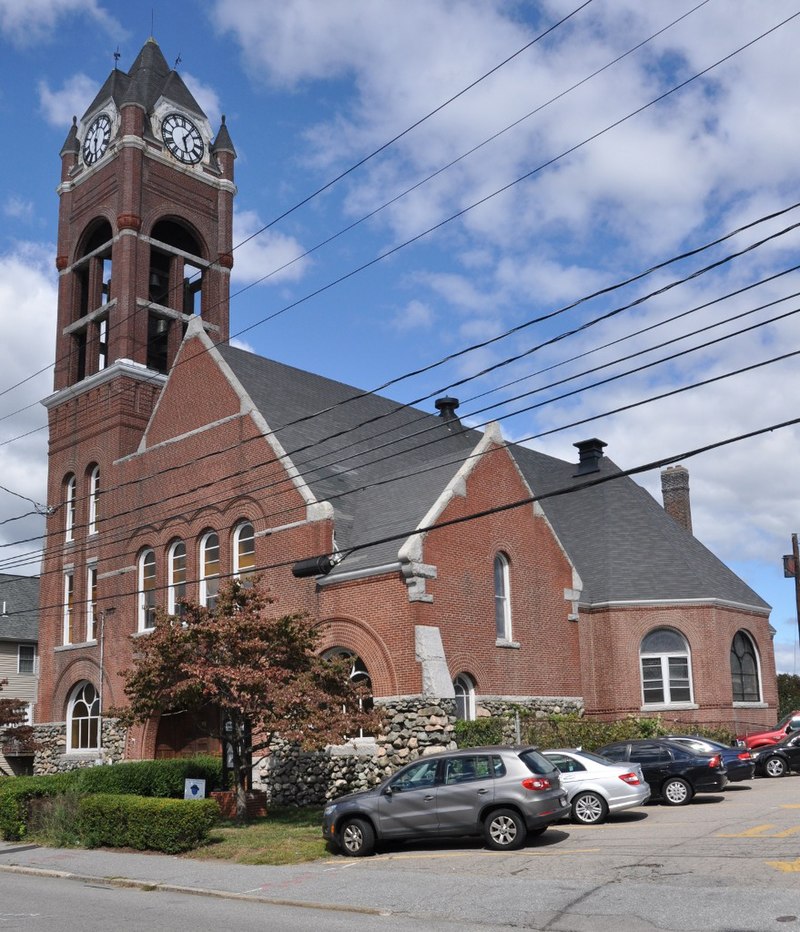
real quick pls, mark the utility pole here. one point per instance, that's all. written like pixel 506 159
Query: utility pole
pixel 791 567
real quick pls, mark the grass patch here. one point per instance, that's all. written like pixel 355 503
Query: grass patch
pixel 285 836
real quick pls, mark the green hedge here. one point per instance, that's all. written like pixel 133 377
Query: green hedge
pixel 562 731
pixel 150 777
pixel 162 778
pixel 145 823
pixel 15 792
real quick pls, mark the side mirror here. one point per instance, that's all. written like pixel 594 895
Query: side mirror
pixel 388 791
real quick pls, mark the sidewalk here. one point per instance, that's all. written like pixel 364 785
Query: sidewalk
pixel 295 885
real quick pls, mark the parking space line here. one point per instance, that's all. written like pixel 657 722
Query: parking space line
pixel 761 831
pixel 785 866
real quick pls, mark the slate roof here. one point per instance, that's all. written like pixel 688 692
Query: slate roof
pixel 20 596
pixel 149 78
pixel 623 544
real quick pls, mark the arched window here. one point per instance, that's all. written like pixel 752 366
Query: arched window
pixel 147 590
pixel 209 570
pixel 465 696
pixel 359 675
pixel 83 719
pixel 94 497
pixel 176 574
pixel 744 669
pixel 502 598
pixel 666 668
pixel 69 507
pixel 244 550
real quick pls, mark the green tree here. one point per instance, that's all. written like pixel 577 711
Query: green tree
pixel 260 671
pixel 788 693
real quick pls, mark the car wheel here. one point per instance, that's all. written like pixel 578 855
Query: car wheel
pixel 589 808
pixel 356 838
pixel 504 830
pixel 676 792
pixel 774 767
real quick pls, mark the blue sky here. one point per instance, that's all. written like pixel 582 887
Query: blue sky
pixel 309 88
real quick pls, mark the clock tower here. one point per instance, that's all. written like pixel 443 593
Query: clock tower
pixel 144 248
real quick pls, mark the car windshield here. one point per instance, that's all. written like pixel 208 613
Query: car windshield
pixel 597 758
pixel 784 721
pixel 536 762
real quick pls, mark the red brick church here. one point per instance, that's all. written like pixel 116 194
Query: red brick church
pixel 177 460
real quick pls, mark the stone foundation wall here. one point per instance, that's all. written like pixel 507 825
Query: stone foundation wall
pixel 413 727
pixel 52 756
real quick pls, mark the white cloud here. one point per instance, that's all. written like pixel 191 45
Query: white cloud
pixel 269 257
pixel 34 21
pixel 27 294
pixel 414 316
pixel 206 96
pixel 19 209
pixel 72 99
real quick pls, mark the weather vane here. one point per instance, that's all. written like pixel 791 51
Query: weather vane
pixel 178 60
pixel 116 58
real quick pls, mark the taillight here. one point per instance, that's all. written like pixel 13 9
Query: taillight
pixel 536 783
pixel 715 761
pixel 630 778
pixel 745 755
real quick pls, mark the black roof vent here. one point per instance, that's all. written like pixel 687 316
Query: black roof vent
pixel 590 453
pixel 447 408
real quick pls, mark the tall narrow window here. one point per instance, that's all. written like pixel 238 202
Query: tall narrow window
pixel 147 590
pixel 666 669
pixel 744 669
pixel 244 550
pixel 465 697
pixel 83 719
pixel 502 598
pixel 94 499
pixel 69 508
pixel 91 603
pixel 209 566
pixel 176 571
pixel 69 608
pixel 26 659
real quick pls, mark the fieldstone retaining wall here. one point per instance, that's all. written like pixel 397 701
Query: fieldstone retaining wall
pixel 52 756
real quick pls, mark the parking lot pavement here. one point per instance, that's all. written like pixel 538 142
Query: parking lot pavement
pixel 725 862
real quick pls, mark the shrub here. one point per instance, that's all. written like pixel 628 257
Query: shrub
pixel 54 820
pixel 15 796
pixel 480 732
pixel 145 823
pixel 150 777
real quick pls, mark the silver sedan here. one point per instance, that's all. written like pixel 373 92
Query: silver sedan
pixel 596 786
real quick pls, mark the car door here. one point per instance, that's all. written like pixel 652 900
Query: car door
pixel 407 804
pixel 792 749
pixel 467 785
pixel 573 773
pixel 656 762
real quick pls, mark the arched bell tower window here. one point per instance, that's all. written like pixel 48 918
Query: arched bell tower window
pixel 91 295
pixel 175 285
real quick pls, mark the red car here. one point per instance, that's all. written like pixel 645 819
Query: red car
pixel 761 739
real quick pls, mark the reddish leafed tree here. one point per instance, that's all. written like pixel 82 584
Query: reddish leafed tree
pixel 14 729
pixel 261 671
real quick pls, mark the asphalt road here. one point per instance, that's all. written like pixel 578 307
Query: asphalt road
pixel 725 863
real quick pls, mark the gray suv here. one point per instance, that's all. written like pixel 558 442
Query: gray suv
pixel 503 793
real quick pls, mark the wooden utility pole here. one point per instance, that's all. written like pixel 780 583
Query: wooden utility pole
pixel 796 567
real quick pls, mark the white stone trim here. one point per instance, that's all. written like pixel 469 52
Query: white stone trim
pixel 649 603
pixel 120 367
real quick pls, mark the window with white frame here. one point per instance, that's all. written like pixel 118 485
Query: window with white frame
pixel 464 687
pixel 91 603
pixel 209 570
pixel 744 669
pixel 26 659
pixel 69 609
pixel 359 676
pixel 147 590
pixel 176 577
pixel 94 499
pixel 244 550
pixel 666 668
pixel 83 719
pixel 502 598
pixel 69 508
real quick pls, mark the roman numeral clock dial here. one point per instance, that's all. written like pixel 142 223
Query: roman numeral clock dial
pixel 182 138
pixel 97 138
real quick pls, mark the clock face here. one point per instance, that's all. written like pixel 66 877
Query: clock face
pixel 97 138
pixel 182 138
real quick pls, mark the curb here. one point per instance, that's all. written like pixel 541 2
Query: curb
pixel 150 885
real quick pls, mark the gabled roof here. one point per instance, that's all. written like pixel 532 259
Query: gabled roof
pixel 19 608
pixel 149 78
pixel 623 544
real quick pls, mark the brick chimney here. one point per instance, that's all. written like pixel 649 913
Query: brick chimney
pixel 675 491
